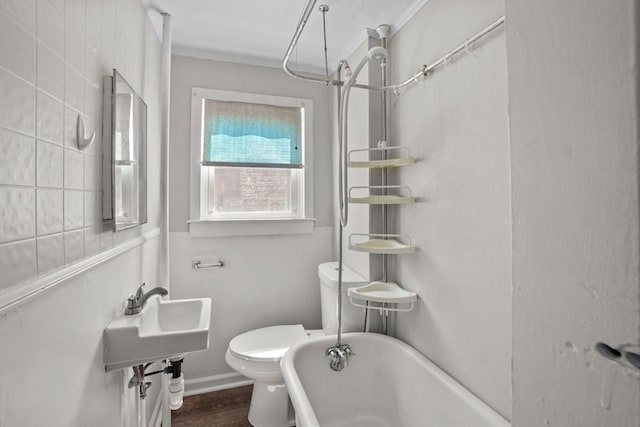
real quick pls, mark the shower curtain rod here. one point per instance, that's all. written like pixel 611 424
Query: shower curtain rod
pixel 463 47
pixel 424 71
pixel 294 42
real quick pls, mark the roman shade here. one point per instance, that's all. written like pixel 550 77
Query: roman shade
pixel 239 134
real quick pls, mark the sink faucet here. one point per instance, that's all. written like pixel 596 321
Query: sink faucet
pixel 135 303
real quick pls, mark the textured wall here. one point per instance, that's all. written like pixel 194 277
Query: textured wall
pixel 574 158
pixel 53 55
pixel 455 123
pixel 52 60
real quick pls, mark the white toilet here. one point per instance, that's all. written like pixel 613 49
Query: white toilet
pixel 256 354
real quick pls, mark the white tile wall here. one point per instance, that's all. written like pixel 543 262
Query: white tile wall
pixel 74 88
pixel 49 210
pixel 92 173
pixel 73 246
pixel 17 217
pixel 50 253
pixel 51 26
pixel 73 209
pixel 22 12
pixel 18 106
pixel 92 209
pixel 50 118
pixel 53 55
pixel 17 48
pixel 17 158
pixel 49 160
pixel 50 71
pixel 70 125
pixel 92 241
pixel 74 34
pixel 73 169
pixel 12 262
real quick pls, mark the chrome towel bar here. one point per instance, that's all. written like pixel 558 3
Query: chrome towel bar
pixel 197 264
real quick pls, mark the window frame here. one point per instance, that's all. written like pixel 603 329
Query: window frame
pixel 200 223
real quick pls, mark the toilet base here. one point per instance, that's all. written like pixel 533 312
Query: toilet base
pixel 270 406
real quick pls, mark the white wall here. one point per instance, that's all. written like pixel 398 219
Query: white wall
pixel 53 346
pixel 455 123
pixel 52 58
pixel 268 280
pixel 574 156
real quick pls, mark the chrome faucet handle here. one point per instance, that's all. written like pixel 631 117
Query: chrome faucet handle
pixel 140 291
pixel 347 350
pixel 132 305
pixel 131 301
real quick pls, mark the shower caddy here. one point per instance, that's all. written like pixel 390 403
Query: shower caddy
pixel 382 292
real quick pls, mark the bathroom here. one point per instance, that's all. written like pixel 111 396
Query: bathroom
pixel 525 178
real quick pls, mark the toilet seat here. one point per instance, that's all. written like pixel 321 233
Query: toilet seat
pixel 266 344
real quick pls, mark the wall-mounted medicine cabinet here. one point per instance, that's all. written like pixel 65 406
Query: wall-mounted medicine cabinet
pixel 124 154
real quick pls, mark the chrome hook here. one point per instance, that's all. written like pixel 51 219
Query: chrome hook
pixel 82 141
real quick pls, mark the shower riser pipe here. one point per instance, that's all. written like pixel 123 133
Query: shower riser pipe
pixel 384 130
pixel 384 175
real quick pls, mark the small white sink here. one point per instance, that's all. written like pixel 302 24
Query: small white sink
pixel 161 330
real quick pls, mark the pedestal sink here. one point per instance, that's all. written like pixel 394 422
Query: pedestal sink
pixel 162 329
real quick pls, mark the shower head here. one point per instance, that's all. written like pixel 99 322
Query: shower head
pixel 375 54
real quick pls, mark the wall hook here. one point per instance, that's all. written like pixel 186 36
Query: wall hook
pixel 82 141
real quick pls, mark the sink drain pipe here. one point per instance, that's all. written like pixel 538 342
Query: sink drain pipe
pixel 174 388
pixel 176 382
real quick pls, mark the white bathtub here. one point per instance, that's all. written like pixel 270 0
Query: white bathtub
pixel 386 384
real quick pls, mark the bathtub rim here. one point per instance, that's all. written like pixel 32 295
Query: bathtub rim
pixel 304 409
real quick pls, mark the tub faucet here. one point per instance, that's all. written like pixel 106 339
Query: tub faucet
pixel 339 356
pixel 135 303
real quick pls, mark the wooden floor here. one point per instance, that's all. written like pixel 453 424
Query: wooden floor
pixel 225 408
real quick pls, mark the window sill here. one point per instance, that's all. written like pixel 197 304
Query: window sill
pixel 249 227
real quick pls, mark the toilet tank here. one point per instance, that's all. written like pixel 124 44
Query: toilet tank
pixel 352 317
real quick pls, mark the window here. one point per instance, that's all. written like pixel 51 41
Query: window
pixel 251 158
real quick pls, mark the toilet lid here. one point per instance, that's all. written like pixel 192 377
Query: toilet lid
pixel 266 344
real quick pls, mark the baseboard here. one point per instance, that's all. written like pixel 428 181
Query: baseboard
pixel 215 383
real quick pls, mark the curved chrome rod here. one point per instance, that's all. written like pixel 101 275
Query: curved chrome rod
pixel 285 62
pixel 424 71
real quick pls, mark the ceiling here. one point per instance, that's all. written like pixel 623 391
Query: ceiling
pixel 259 31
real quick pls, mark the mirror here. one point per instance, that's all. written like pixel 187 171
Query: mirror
pixel 124 154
